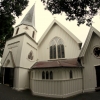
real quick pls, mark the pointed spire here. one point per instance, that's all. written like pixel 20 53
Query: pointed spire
pixel 29 18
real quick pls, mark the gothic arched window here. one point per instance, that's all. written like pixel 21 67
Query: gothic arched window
pixel 30 55
pixel 52 50
pixel 33 34
pixel 17 30
pixel 43 75
pixel 71 74
pixel 57 48
pixel 47 75
pixel 51 75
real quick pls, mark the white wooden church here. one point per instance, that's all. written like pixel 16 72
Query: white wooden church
pixel 57 66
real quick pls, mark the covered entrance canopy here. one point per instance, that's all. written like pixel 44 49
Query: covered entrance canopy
pixel 7 70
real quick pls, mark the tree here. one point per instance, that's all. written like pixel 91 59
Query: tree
pixel 80 10
pixel 8 10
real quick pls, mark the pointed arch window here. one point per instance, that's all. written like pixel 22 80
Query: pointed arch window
pixel 51 75
pixel 17 30
pixel 47 75
pixel 33 34
pixel 71 74
pixel 57 48
pixel 43 75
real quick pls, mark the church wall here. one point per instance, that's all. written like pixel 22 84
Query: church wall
pixel 71 47
pixel 89 62
pixel 71 86
pixel 25 28
pixel 46 87
pixel 16 78
pixel 23 79
pixel 14 45
pixel 60 86
pixel 27 46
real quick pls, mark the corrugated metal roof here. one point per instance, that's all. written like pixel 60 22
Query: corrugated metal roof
pixel 57 63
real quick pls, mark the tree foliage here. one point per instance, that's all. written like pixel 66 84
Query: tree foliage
pixel 80 10
pixel 8 10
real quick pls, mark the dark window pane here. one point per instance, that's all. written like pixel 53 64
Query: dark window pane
pixel 71 74
pixel 43 75
pixel 47 75
pixel 51 75
pixel 51 53
pixel 33 34
pixel 17 30
pixel 59 51
pixel 62 51
pixel 54 52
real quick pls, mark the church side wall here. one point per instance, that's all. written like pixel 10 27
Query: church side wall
pixel 89 62
pixel 27 47
pixel 71 86
pixel 60 86
pixel 71 47
pixel 23 79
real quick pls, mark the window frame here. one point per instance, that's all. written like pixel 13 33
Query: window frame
pixel 59 53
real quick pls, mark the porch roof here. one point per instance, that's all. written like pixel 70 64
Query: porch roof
pixel 71 63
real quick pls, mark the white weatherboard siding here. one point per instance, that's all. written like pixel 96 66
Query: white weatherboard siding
pixel 14 45
pixel 23 79
pixel 72 49
pixel 27 46
pixel 89 62
pixel 60 86
pixel 22 29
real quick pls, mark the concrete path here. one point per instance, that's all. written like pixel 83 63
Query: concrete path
pixel 6 93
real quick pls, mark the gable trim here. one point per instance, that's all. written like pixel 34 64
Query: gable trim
pixel 64 28
pixel 10 52
pixel 88 39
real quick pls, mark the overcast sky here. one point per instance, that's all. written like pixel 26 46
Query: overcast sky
pixel 43 18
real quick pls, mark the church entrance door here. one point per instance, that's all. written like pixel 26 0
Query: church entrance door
pixel 98 76
pixel 9 76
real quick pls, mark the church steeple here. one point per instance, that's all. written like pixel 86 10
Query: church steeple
pixel 29 18
pixel 27 24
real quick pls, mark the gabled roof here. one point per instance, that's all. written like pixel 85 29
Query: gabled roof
pixel 91 32
pixel 64 28
pixel 69 63
pixel 10 58
pixel 29 18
